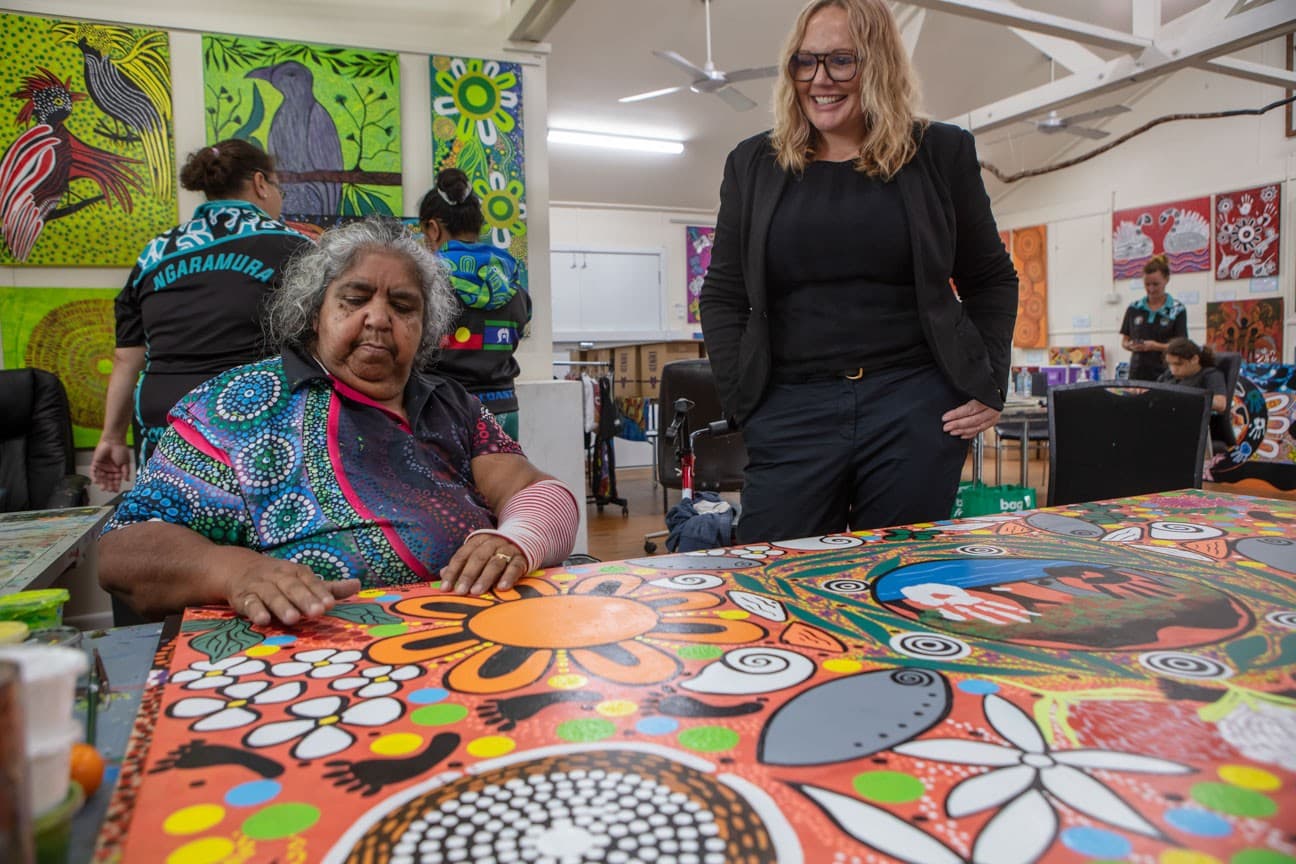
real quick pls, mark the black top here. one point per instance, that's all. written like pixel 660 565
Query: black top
pixel 841 277
pixel 1207 378
pixel 1160 325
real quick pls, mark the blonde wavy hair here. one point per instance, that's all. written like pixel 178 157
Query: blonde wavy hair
pixel 888 92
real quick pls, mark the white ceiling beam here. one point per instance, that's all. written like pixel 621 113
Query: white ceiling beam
pixel 1192 39
pixel 531 20
pixel 1260 72
pixel 999 12
pixel 1070 55
pixel 1146 15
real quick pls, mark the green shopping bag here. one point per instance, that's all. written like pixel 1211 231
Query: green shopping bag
pixel 978 499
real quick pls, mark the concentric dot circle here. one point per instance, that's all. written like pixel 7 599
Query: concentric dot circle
pixel 845 586
pixel 1285 618
pixel 75 342
pixel 1178 664
pixel 981 549
pixel 929 645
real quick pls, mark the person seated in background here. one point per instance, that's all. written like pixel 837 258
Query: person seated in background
pixel 1193 365
pixel 284 485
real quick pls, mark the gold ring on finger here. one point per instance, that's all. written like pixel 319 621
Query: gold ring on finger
pixel 508 559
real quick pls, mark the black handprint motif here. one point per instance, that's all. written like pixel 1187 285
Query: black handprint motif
pixel 508 712
pixel 200 754
pixel 371 775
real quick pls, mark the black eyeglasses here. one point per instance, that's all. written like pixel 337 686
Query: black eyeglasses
pixel 840 65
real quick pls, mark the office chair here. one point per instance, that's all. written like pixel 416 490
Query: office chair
pixel 1111 439
pixel 37 460
pixel 1222 436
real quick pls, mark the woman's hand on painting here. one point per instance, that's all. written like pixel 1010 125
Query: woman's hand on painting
pixel 270 589
pixel 111 465
pixel 969 419
pixel 483 562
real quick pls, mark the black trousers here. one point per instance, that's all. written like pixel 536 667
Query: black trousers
pixel 829 455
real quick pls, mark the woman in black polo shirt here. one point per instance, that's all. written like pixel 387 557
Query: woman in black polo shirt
pixel 1151 322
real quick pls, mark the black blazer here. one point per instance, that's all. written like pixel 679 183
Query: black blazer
pixel 953 235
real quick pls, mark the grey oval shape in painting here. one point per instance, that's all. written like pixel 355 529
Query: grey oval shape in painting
pixel 694 562
pixel 1067 526
pixel 853 717
pixel 1277 552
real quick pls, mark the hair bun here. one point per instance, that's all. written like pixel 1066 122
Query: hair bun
pixel 454 186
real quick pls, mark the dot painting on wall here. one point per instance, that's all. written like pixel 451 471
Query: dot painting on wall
pixel 86 152
pixel 477 128
pixel 1179 229
pixel 1104 681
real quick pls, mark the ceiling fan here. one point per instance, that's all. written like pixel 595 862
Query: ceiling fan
pixel 709 79
pixel 1070 124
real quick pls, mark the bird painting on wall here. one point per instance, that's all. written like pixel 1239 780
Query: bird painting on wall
pixel 38 167
pixel 302 138
pixel 128 77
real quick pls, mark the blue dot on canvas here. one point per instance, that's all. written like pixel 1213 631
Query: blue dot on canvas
pixel 427 695
pixel 280 640
pixel 978 687
pixel 252 793
pixel 387 598
pixel 657 725
pixel 1199 822
pixel 1096 842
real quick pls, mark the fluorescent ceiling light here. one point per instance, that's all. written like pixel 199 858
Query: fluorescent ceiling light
pixel 651 94
pixel 615 142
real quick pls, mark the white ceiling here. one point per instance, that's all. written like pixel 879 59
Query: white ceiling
pixel 601 51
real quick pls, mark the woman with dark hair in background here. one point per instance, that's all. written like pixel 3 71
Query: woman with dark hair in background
pixel 1193 365
pixel 857 376
pixel 493 309
pixel 1151 322
pixel 192 307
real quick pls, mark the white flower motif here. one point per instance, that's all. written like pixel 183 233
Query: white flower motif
pixel 377 680
pixel 1026 823
pixel 320 728
pixel 231 710
pixel 1262 732
pixel 203 675
pixel 317 663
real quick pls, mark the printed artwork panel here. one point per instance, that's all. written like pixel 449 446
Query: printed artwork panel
pixel 87 175
pixel 1030 256
pixel 1246 232
pixel 1083 355
pixel 70 332
pixel 697 240
pixel 330 116
pixel 1180 229
pixel 1253 328
pixel 1264 410
pixel 477 128
pixel 1104 681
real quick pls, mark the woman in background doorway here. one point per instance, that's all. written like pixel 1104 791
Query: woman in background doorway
pixel 493 309
pixel 192 307
pixel 1151 322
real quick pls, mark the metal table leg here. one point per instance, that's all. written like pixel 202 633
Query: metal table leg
pixel 978 453
pixel 1025 447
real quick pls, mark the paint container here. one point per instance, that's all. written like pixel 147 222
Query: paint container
pixel 36 609
pixel 13 632
pixel 53 828
pixel 49 676
pixel 50 765
pixel 67 637
pixel 15 795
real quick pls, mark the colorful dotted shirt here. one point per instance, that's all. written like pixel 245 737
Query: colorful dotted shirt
pixel 282 458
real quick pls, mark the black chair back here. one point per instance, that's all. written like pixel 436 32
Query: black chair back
pixel 719 461
pixel 37 460
pixel 1221 425
pixel 1112 440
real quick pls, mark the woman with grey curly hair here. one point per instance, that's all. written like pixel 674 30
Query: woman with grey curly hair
pixel 285 485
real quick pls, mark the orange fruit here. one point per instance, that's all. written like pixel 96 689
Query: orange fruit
pixel 87 767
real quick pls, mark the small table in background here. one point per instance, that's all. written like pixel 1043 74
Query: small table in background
pixel 1023 410
pixel 39 546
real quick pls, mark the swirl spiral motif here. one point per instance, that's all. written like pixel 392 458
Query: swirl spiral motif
pixel 689 582
pixel 913 677
pixel 812 544
pixel 926 645
pixel 1178 664
pixel 1285 618
pixel 752 670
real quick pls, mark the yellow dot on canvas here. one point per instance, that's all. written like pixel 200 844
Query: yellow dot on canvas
pixel 193 819
pixel 842 666
pixel 262 650
pixel 733 614
pixel 208 850
pixel 371 592
pixel 616 707
pixel 396 744
pixel 566 682
pixel 463 334
pixel 1248 777
pixel 1183 856
pixel 562 577
pixel 491 745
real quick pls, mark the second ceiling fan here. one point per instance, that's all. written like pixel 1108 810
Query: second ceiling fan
pixel 709 79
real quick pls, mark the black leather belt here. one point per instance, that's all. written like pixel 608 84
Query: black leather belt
pixel 791 377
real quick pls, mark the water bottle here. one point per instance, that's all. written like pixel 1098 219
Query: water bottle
pixel 1026 383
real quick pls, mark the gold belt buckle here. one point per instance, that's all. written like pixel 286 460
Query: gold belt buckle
pixel 856 375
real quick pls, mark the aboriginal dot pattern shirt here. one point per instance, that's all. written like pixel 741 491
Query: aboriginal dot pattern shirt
pixel 282 458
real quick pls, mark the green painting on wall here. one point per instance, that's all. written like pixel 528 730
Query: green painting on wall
pixel 477 128
pixel 67 331
pixel 87 175
pixel 330 116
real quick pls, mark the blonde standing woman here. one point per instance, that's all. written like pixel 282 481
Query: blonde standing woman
pixel 856 375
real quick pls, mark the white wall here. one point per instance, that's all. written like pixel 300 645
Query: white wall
pixel 1184 159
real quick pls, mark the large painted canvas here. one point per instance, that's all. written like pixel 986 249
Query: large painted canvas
pixel 87 175
pixel 1253 328
pixel 1109 681
pixel 1030 256
pixel 1246 232
pixel 330 116
pixel 697 251
pixel 477 128
pixel 67 331
pixel 1264 411
pixel 1082 355
pixel 1180 229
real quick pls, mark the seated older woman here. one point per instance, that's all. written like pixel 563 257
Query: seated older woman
pixel 285 485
